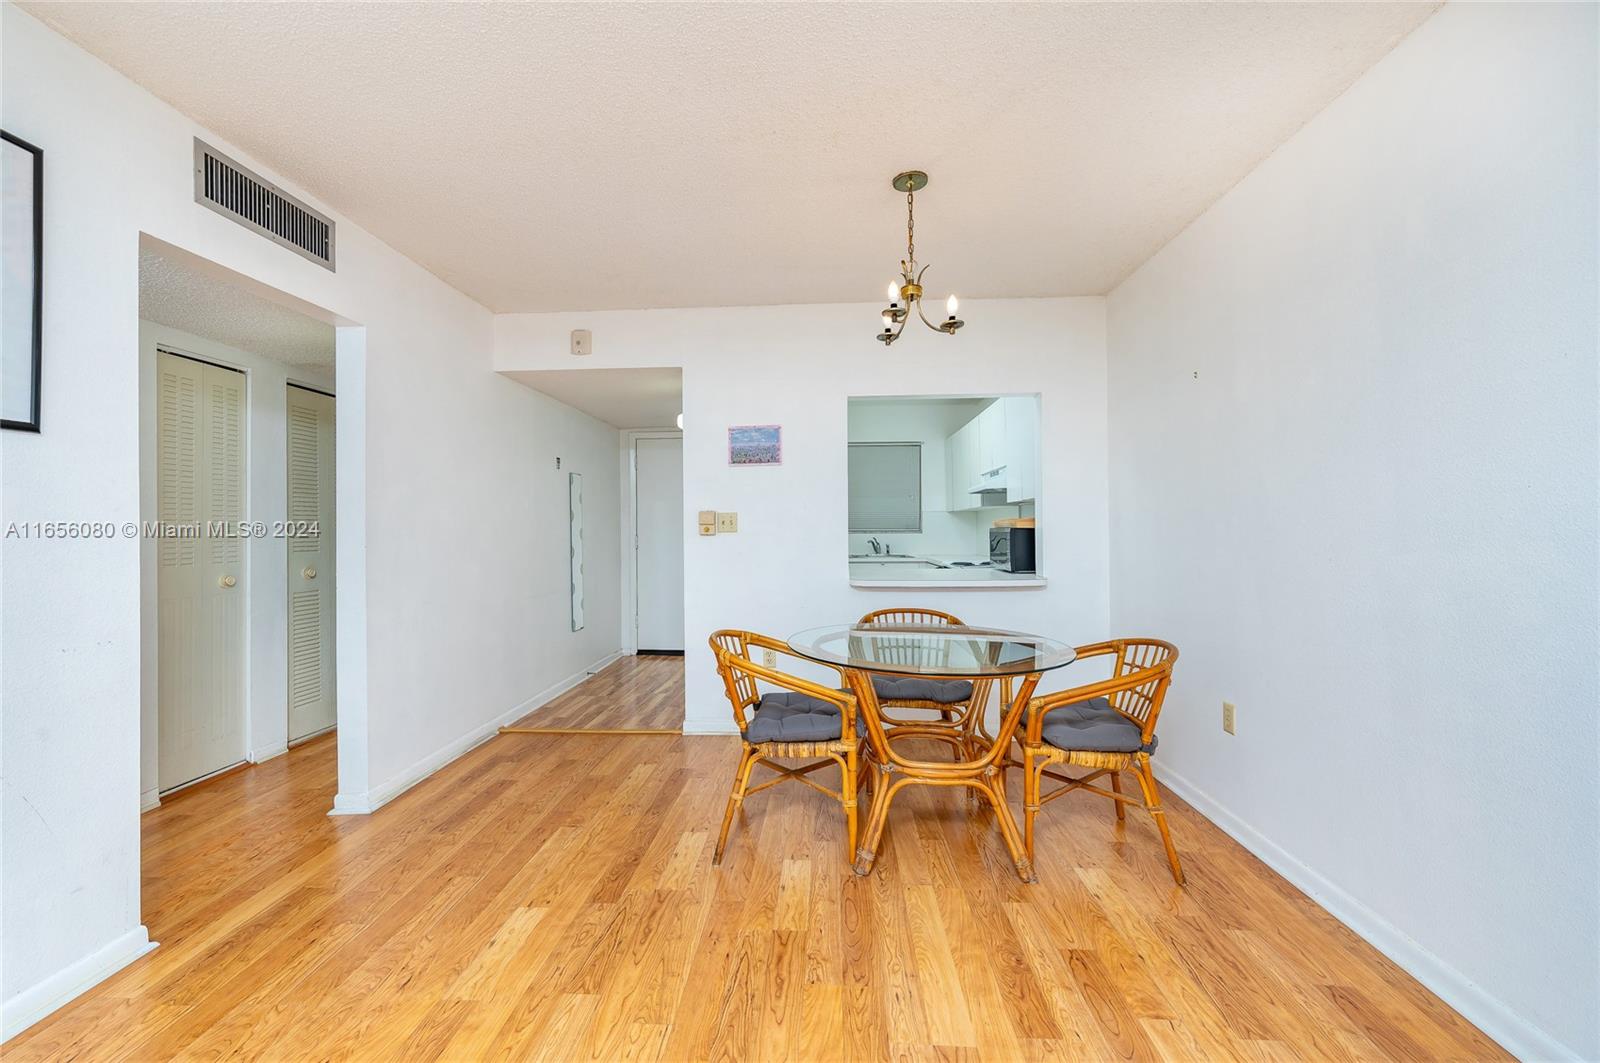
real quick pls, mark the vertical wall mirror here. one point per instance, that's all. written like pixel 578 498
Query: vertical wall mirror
pixel 575 547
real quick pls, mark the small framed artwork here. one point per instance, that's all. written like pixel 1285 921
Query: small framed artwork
pixel 755 444
pixel 21 281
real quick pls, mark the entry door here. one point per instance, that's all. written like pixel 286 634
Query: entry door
pixel 200 572
pixel 311 615
pixel 658 543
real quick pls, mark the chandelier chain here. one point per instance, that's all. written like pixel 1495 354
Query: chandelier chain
pixel 911 230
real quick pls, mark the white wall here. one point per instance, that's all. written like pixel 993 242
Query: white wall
pixel 478 595
pixel 797 366
pixel 266 577
pixel 445 481
pixel 1353 451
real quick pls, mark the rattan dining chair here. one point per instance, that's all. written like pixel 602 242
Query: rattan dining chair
pixel 950 698
pixel 801 720
pixel 1107 728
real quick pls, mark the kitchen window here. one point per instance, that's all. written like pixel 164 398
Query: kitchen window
pixel 886 487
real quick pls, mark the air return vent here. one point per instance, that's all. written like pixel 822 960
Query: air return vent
pixel 234 192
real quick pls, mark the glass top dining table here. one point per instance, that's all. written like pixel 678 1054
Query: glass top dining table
pixel 976 659
pixel 946 651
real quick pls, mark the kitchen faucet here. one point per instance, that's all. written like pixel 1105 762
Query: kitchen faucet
pixel 877 547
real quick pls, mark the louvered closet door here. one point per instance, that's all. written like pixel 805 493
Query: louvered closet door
pixel 200 579
pixel 311 615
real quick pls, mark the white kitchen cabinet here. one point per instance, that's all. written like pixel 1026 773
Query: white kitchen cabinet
pixel 1005 437
pixel 992 437
pixel 961 465
pixel 1021 447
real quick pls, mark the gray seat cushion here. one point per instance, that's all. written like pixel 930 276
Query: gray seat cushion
pixel 1094 726
pixel 787 716
pixel 911 688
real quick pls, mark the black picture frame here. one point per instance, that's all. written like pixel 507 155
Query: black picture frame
pixel 37 359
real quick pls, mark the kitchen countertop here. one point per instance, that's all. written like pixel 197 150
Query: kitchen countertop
pixel 864 572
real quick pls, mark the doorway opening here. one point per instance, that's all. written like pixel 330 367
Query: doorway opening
pixel 236 410
pixel 642 495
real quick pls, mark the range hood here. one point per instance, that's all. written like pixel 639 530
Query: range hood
pixel 992 482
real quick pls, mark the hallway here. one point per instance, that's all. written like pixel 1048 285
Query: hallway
pixel 636 693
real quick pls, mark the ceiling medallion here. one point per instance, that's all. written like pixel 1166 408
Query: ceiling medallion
pixel 907 291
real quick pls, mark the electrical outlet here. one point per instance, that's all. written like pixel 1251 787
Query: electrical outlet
pixel 708 522
pixel 727 522
pixel 1227 716
pixel 769 658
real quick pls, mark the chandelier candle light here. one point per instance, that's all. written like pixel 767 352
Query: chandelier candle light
pixel 907 291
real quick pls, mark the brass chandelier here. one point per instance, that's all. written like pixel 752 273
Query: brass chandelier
pixel 907 291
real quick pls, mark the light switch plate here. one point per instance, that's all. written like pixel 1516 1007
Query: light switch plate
pixel 1228 713
pixel 727 522
pixel 708 522
pixel 769 658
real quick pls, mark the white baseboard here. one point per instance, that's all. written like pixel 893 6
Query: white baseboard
pixel 350 805
pixel 706 727
pixel 149 799
pixel 296 743
pixel 266 753
pixel 1489 1014
pixel 40 999
pixel 550 693
pixel 378 796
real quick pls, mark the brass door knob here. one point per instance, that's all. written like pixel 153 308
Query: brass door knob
pixel 308 572
pixel 226 581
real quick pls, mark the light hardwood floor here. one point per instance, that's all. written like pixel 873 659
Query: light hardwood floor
pixel 635 693
pixel 553 897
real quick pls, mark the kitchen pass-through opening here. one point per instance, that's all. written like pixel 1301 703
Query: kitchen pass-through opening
pixel 943 489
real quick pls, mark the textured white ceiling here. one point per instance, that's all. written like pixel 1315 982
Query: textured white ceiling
pixel 625 398
pixel 585 156
pixel 181 296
